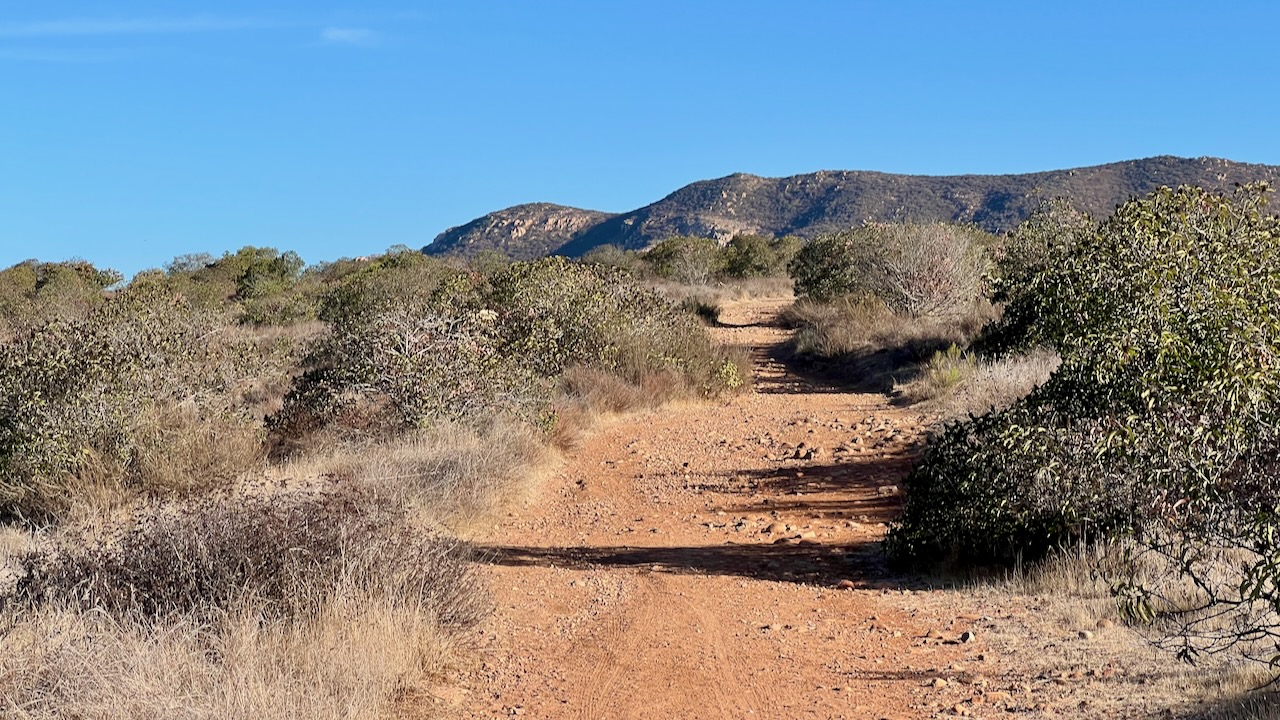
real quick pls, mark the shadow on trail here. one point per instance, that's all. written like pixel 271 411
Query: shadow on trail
pixel 810 564
pixel 852 475
pixel 871 371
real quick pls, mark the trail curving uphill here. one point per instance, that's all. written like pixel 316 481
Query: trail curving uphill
pixel 688 562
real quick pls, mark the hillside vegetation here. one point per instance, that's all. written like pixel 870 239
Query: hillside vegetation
pixel 831 201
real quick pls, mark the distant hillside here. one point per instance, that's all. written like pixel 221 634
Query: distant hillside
pixel 522 232
pixel 815 203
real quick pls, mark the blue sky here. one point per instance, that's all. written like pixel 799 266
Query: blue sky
pixel 133 131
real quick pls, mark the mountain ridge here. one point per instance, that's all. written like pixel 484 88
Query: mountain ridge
pixel 810 204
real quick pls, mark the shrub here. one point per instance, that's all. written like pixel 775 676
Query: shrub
pixel 690 260
pixel 555 314
pixel 616 258
pixel 283 555
pixel 32 293
pixel 748 256
pixel 465 353
pixel 1050 234
pixel 403 369
pixel 144 395
pixel 395 281
pixel 916 270
pixel 1160 423
pixel 72 393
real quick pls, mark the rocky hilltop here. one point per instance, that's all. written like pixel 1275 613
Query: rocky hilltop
pixel 811 204
pixel 522 232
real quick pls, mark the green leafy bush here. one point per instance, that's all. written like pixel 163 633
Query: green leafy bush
pixel 748 256
pixel 397 280
pixel 690 260
pixel 555 314
pixel 1160 421
pixel 454 351
pixel 32 293
pixel 917 270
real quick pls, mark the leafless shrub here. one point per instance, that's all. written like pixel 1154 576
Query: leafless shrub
pixel 914 269
pixel 281 553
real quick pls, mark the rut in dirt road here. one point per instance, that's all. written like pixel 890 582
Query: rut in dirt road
pixel 687 562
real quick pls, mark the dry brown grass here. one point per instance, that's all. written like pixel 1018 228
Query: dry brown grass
pixel 353 658
pixel 182 452
pixel 283 604
pixel 957 384
pixel 454 474
pixel 719 292
pixel 847 327
pixel 1031 629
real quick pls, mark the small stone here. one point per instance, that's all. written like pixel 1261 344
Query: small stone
pixel 1086 634
pixel 968 636
pixel 1104 624
pixel 846 585
pixel 774 527
pixel 939 683
pixel 888 490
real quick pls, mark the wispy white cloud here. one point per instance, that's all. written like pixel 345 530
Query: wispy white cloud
pixel 360 37
pixel 128 26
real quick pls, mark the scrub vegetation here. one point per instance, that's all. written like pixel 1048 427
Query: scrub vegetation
pixel 1108 383
pixel 241 486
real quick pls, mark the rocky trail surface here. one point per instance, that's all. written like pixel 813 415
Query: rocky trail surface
pixel 722 561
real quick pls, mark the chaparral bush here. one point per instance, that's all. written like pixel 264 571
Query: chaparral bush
pixel 456 351
pixel 1160 424
pixel 555 314
pixel 691 260
pixel 916 270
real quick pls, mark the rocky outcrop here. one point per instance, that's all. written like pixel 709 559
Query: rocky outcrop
pixel 521 232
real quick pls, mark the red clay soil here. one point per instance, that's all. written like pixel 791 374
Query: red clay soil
pixel 722 561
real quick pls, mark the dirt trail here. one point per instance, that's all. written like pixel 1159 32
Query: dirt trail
pixel 685 563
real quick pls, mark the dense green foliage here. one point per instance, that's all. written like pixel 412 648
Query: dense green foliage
pixel 33 292
pixel 1160 423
